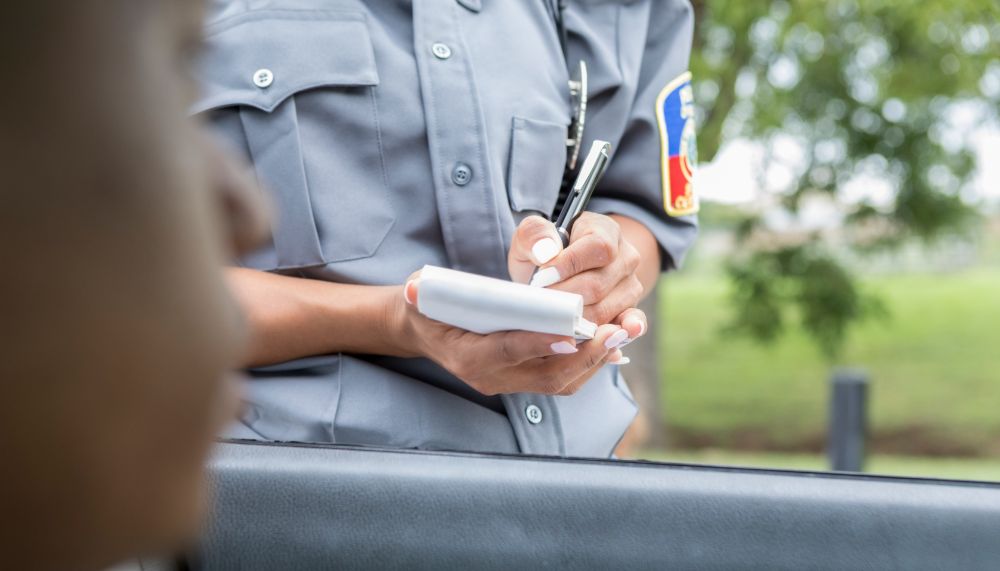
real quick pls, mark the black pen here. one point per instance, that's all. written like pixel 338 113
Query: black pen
pixel 579 197
pixel 583 188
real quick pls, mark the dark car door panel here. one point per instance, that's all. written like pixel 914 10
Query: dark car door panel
pixel 329 507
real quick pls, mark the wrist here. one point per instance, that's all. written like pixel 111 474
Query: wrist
pixel 395 324
pixel 643 240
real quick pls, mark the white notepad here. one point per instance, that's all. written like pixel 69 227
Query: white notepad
pixel 487 305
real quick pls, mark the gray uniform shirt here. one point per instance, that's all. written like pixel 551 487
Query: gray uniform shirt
pixel 398 133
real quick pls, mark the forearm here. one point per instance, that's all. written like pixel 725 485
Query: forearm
pixel 290 318
pixel 649 251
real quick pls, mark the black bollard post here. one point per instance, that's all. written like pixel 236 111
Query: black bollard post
pixel 848 428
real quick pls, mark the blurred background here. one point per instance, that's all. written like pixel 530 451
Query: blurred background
pixel 850 186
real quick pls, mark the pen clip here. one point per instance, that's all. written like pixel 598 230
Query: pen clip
pixel 593 166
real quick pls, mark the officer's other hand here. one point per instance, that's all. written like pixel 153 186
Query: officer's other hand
pixel 599 264
pixel 511 361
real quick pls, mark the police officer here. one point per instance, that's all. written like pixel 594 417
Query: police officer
pixel 398 133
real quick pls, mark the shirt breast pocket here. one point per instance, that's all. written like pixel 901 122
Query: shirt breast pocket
pixel 298 85
pixel 537 161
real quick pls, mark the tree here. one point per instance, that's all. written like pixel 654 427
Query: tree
pixel 856 87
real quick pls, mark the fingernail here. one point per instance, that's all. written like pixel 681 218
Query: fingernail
pixel 622 361
pixel 641 323
pixel 564 348
pixel 406 292
pixel 624 343
pixel 546 277
pixel 616 339
pixel 544 250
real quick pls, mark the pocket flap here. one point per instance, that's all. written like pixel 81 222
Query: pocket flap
pixel 537 161
pixel 295 50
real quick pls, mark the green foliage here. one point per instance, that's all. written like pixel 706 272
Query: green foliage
pixel 769 283
pixel 862 87
pixel 721 216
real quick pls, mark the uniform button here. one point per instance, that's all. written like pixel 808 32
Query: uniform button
pixel 462 174
pixel 263 78
pixel 441 51
pixel 533 414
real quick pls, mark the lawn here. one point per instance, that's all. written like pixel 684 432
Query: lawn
pixel 934 365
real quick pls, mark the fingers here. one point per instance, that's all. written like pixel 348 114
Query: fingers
pixel 500 362
pixel 554 375
pixel 614 358
pixel 596 243
pixel 512 348
pixel 585 254
pixel 626 295
pixel 530 362
pixel 593 285
pixel 535 243
pixel 634 321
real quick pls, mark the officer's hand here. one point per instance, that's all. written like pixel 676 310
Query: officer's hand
pixel 535 243
pixel 599 264
pixel 511 361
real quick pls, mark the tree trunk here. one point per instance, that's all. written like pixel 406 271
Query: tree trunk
pixel 644 377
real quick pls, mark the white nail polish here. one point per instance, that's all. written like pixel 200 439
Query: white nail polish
pixel 544 250
pixel 622 361
pixel 563 348
pixel 546 277
pixel 642 325
pixel 406 292
pixel 616 339
pixel 624 343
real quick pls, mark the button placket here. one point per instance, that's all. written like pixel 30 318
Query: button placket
pixel 441 51
pixel 462 174
pixel 457 140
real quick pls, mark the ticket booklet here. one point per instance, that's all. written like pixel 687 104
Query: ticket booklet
pixel 487 305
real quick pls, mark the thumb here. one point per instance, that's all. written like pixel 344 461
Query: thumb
pixel 411 289
pixel 535 243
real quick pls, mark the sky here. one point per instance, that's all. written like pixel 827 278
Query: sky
pixel 734 177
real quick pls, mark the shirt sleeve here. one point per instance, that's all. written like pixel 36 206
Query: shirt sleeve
pixel 635 52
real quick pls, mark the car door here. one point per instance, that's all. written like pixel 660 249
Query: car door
pixel 288 506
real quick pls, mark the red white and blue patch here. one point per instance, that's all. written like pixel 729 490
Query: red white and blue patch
pixel 678 145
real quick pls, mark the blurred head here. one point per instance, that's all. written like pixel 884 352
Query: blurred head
pixel 117 333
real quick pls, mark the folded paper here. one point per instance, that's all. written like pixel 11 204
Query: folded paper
pixel 487 305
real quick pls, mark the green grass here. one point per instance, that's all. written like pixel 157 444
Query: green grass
pixel 934 365
pixel 950 468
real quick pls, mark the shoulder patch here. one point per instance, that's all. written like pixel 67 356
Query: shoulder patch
pixel 678 145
